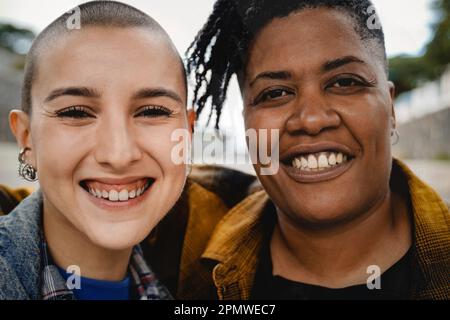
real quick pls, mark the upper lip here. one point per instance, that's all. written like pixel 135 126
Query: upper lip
pixel 117 181
pixel 315 148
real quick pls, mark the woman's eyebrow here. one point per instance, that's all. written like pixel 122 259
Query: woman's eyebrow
pixel 72 91
pixel 274 75
pixel 339 62
pixel 157 92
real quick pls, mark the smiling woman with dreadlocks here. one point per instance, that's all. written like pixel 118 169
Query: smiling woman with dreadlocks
pixel 341 218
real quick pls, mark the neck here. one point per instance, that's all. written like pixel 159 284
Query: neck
pixel 68 246
pixel 338 256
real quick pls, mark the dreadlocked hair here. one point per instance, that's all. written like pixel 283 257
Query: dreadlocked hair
pixel 220 48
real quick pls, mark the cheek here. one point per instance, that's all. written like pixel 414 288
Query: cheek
pixel 59 149
pixel 369 125
pixel 268 127
pixel 159 145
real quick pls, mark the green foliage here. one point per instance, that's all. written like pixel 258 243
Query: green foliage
pixel 438 50
pixel 409 72
pixel 11 36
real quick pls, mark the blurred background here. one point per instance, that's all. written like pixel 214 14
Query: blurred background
pixel 418 47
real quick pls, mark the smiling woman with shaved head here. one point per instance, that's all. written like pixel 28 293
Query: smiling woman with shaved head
pixel 95 127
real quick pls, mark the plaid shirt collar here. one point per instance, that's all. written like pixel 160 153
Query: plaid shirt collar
pixel 147 286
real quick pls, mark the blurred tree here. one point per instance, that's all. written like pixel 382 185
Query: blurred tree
pixel 408 72
pixel 438 50
pixel 14 39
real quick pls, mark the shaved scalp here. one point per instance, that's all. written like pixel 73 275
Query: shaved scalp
pixel 92 14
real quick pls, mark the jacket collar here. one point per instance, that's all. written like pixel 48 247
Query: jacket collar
pixel 431 220
pixel 237 240
pixel 23 227
pixel 235 244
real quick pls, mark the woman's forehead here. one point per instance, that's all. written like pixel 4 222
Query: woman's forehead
pixel 308 38
pixel 98 57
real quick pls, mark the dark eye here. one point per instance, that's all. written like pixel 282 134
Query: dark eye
pixel 76 112
pixel 349 84
pixel 271 95
pixel 346 82
pixel 154 112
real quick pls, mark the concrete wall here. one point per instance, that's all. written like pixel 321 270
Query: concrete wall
pixel 425 138
pixel 10 86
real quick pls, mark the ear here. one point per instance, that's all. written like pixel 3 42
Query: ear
pixel 19 123
pixel 191 117
pixel 391 86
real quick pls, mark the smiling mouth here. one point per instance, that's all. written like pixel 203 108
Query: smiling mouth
pixel 318 162
pixel 116 193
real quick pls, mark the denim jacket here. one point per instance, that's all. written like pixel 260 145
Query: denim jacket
pixel 20 256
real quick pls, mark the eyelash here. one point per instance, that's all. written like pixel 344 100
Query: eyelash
pixel 75 112
pixel 79 112
pixel 355 81
pixel 154 112
pixel 264 96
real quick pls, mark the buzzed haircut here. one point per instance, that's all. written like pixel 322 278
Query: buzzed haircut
pixel 94 13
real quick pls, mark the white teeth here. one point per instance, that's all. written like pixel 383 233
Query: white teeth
pixel 319 161
pixel 123 195
pixel 312 162
pixel 332 159
pixel 113 196
pixel 304 162
pixel 323 161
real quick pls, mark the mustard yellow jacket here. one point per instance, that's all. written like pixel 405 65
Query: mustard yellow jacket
pixel 229 262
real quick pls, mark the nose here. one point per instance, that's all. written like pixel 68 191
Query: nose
pixel 116 145
pixel 312 114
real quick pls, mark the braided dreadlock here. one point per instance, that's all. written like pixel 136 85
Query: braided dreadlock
pixel 220 48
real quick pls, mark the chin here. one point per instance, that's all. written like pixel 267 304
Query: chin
pixel 120 236
pixel 319 213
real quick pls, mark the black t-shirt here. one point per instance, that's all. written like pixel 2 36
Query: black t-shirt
pixel 395 284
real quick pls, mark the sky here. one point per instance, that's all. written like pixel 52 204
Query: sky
pixel 406 22
pixel 407 25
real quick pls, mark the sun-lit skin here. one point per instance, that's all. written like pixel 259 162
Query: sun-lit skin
pixel 350 104
pixel 116 134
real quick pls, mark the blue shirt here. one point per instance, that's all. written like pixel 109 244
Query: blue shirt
pixel 92 289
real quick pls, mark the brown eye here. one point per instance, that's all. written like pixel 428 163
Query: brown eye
pixel 346 82
pixel 76 112
pixel 154 112
pixel 272 95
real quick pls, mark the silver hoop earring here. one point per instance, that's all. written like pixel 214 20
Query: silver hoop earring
pixel 395 136
pixel 26 171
